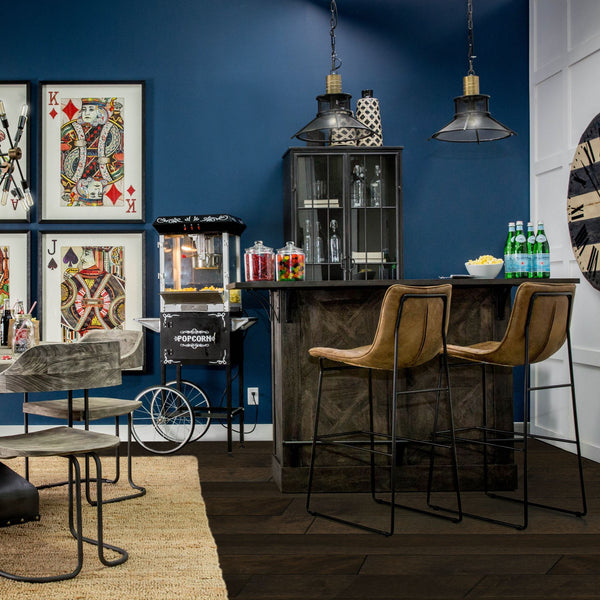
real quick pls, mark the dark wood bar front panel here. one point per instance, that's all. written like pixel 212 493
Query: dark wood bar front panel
pixel 344 314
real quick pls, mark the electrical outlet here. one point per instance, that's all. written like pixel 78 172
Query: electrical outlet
pixel 252 396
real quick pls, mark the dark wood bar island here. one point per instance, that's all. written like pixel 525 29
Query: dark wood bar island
pixel 344 314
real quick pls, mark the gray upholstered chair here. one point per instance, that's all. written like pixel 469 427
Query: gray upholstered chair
pixel 92 408
pixel 63 367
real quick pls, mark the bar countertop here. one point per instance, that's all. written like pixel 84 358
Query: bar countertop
pixel 377 283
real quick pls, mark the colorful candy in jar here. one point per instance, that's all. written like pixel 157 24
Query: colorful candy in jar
pixel 290 263
pixel 258 262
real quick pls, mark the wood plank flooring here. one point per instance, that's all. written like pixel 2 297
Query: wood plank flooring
pixel 271 548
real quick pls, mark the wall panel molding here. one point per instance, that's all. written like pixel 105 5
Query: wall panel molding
pixel 564 92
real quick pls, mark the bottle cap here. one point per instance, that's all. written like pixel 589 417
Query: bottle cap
pixel 367 93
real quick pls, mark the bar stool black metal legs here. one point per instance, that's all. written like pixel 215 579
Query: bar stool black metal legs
pixel 411 331
pixel 537 329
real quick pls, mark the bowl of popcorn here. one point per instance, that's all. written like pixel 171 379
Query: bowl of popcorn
pixel 484 267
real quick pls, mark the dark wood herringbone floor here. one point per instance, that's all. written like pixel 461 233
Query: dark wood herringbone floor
pixel 271 548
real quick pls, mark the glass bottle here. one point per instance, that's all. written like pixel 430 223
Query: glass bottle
pixel 530 245
pixel 357 193
pixel 541 253
pixel 375 188
pixel 509 269
pixel 335 249
pixel 5 322
pixel 319 248
pixel 520 252
pixel 308 246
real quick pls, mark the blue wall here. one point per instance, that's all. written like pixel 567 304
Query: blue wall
pixel 229 82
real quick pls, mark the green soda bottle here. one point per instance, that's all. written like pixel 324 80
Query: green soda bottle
pixel 509 271
pixel 520 252
pixel 541 253
pixel 530 245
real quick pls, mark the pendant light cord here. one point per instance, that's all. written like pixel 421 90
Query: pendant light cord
pixel 336 63
pixel 471 55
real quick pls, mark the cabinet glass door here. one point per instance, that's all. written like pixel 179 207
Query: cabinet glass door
pixel 319 219
pixel 373 216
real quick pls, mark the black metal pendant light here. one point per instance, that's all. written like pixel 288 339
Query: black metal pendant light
pixel 335 122
pixel 472 120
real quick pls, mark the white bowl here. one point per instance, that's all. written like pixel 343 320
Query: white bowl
pixel 484 271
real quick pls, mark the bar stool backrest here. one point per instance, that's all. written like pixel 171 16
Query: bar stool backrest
pixel 130 341
pixel 547 318
pixel 420 325
pixel 61 367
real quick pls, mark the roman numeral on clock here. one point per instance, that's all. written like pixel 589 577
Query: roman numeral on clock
pixel 589 151
pixel 581 239
pixel 592 265
pixel 576 212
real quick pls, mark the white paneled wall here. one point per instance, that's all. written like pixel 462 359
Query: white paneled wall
pixel 564 66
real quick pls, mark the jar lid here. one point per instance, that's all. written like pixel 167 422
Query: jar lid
pixel 259 248
pixel 290 248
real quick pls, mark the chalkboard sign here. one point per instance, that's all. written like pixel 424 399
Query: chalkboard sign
pixel 195 338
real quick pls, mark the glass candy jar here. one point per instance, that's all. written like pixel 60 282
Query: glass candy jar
pixel 23 334
pixel 290 263
pixel 258 262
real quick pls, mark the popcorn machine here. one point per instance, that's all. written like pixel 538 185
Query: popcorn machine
pixel 199 256
pixel 200 322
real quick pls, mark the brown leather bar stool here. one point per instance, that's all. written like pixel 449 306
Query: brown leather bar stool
pixel 411 332
pixel 538 327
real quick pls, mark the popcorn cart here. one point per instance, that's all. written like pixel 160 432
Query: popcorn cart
pixel 200 323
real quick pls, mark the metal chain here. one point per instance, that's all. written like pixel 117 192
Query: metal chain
pixel 471 55
pixel 336 63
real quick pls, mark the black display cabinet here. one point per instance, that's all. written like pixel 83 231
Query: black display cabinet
pixel 343 206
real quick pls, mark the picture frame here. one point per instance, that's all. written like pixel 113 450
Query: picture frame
pixel 16 267
pixel 90 280
pixel 15 94
pixel 92 151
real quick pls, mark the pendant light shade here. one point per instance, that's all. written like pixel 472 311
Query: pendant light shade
pixel 334 123
pixel 472 120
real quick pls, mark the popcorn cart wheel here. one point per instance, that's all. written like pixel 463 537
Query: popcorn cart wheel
pixel 165 420
pixel 199 402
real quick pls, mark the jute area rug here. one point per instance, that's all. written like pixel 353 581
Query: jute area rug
pixel 172 553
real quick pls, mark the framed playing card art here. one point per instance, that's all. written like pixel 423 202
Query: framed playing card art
pixel 92 151
pixel 14 96
pixel 90 280
pixel 15 268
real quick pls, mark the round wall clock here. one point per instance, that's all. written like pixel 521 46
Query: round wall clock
pixel 583 203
